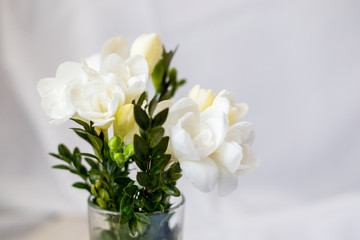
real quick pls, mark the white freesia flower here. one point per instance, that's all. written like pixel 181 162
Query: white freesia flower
pixel 211 150
pixel 54 92
pixel 94 89
pixel 97 101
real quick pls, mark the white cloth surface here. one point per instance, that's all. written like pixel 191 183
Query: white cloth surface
pixel 296 63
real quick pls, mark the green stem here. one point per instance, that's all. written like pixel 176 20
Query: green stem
pixel 106 134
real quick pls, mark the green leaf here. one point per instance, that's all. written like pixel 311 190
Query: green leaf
pixel 175 167
pixel 91 163
pixel 156 135
pixel 142 218
pixel 175 176
pixel 133 226
pixel 82 123
pixel 156 197
pixel 160 118
pixel 96 142
pixel 157 75
pixel 160 149
pixel 141 148
pixel 142 164
pixel 158 165
pixel 60 166
pixel 56 156
pixel 171 190
pixel 142 98
pixel 64 151
pixel 81 185
pixel 131 190
pixel 88 155
pixel 152 105
pixel 126 209
pixel 142 178
pixel 82 135
pixel 95 172
pixel 83 171
pixel 141 118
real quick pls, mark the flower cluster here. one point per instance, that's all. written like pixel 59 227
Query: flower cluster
pixel 98 87
pixel 209 139
pixel 200 136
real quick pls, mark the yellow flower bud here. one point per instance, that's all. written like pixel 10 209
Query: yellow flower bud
pixel 202 97
pixel 124 120
pixel 149 46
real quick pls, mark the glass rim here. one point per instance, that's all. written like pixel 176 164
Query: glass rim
pixel 104 211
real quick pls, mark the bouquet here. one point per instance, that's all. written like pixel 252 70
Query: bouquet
pixel 199 136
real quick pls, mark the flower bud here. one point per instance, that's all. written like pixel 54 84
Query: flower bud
pixel 104 194
pixel 202 97
pixel 124 120
pixel 97 184
pixel 115 143
pixel 149 46
pixel 101 203
pixel 119 157
pixel 93 190
pixel 129 151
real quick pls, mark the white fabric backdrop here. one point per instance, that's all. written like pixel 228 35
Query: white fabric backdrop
pixel 296 63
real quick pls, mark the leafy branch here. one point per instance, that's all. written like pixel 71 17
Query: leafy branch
pixel 165 79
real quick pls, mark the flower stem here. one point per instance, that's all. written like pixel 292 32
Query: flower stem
pixel 106 134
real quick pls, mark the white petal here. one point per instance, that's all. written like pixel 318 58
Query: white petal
pixel 226 94
pixel 218 125
pixel 135 88
pixel 249 162
pixel 162 105
pixel 115 64
pixel 115 45
pixel 93 62
pixel 202 174
pixel 179 109
pixel 183 148
pixel 191 123
pixel 242 109
pixel 241 132
pixel 46 86
pixel 138 66
pixel 227 182
pixel 222 105
pixel 69 71
pixel 229 155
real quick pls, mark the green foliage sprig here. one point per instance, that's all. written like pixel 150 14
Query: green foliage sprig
pixel 165 79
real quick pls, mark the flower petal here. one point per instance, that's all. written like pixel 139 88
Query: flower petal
pixel 115 64
pixel 202 174
pixel 249 162
pixel 68 71
pixel 182 145
pixel 162 105
pixel 180 108
pixel 191 123
pixel 227 182
pixel 229 155
pixel 117 45
pixel 138 66
pixel 241 132
pixel 218 125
